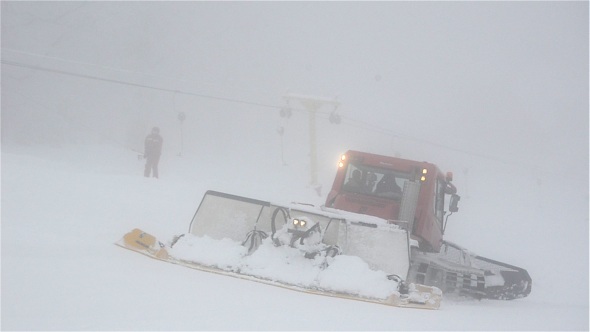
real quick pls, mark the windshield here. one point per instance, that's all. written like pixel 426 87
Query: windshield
pixel 375 181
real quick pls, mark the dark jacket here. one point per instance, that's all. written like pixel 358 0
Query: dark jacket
pixel 153 145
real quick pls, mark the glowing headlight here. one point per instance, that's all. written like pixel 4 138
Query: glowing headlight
pixel 341 162
pixel 298 222
pixel 424 172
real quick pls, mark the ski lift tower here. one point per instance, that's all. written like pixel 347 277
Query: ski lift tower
pixel 312 104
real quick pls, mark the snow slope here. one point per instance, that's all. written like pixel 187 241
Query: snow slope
pixel 63 209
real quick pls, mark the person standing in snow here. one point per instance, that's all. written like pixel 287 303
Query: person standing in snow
pixel 152 151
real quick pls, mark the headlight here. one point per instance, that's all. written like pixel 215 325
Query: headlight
pixel 342 160
pixel 298 222
pixel 424 172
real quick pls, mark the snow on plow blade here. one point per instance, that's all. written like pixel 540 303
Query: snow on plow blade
pixel 299 247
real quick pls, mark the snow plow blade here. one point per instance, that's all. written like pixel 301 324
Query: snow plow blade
pixel 255 240
pixel 419 296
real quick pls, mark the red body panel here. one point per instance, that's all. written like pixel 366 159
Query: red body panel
pixel 427 226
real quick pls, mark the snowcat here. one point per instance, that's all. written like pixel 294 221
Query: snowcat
pixel 378 238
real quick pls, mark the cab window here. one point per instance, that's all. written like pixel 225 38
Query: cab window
pixel 375 181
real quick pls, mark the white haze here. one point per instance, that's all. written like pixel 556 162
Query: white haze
pixel 496 92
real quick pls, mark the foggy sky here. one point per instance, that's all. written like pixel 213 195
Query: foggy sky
pixel 507 80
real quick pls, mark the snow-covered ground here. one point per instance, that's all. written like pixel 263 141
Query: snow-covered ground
pixel 64 208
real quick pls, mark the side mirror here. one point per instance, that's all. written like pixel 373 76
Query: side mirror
pixel 454 202
pixel 449 176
